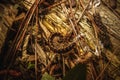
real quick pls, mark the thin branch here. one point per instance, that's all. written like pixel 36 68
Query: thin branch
pixel 20 34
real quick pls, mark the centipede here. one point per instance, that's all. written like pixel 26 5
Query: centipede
pixel 60 44
pixel 103 32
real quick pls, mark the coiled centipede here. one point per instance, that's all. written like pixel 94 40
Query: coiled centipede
pixel 62 44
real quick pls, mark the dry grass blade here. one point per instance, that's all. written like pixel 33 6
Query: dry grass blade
pixel 45 30
pixel 85 8
pixel 41 53
pixel 24 48
pixel 36 55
